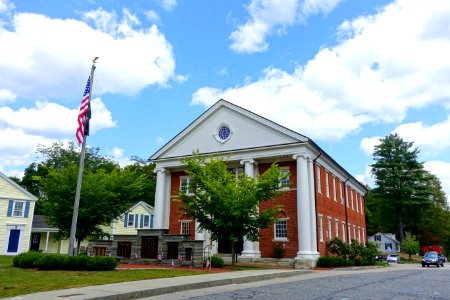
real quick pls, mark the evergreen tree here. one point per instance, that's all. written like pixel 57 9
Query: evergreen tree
pixel 402 184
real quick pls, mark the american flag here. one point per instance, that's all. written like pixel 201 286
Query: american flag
pixel 85 114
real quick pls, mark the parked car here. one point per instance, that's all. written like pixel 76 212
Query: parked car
pixel 393 258
pixel 432 258
pixel 380 257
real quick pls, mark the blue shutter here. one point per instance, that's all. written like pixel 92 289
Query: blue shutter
pixel 142 221
pixel 136 220
pixel 126 220
pixel 10 206
pixel 27 209
pixel 151 221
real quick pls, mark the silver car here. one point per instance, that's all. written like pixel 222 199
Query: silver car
pixel 393 258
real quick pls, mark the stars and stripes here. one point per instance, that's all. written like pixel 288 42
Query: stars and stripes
pixel 84 114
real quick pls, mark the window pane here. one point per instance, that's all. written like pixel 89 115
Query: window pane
pixel 18 209
pixel 281 229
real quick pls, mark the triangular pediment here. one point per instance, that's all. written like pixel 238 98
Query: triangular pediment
pixel 227 127
pixel 10 190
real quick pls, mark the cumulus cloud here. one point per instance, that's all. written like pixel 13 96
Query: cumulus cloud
pixel 50 119
pixel 442 171
pixel 118 155
pixel 273 16
pixel 131 57
pixel 153 16
pixel 6 6
pixel 384 65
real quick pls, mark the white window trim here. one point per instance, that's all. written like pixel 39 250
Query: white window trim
pixel 354 231
pixel 13 213
pixel 128 220
pixel 284 171
pixel 341 190
pixel 327 185
pixel 329 227
pixel 275 238
pixel 188 184
pixel 361 204
pixel 334 189
pixel 349 229
pixel 185 222
pixel 343 231
pixel 336 222
pixel 351 197
pixel 356 201
pixel 319 186
pixel 364 236
pixel 359 234
pixel 321 228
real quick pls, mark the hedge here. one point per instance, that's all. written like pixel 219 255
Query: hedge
pixel 35 259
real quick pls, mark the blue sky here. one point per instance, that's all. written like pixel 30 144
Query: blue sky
pixel 342 72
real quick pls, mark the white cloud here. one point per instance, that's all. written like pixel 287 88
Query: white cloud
pixel 118 155
pixel 367 145
pixel 269 16
pixel 434 138
pixel 6 6
pixel 36 64
pixel 153 16
pixel 384 65
pixel 51 119
pixel 442 171
pixel 6 96
pixel 168 5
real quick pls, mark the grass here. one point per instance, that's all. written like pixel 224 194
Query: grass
pixel 15 281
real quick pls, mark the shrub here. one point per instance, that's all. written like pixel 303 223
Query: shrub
pixel 279 250
pixel 52 262
pixel 100 263
pixel 334 261
pixel 27 259
pixel 76 263
pixel 338 248
pixel 216 262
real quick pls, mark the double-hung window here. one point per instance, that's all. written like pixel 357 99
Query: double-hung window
pixel 321 228
pixel 284 184
pixel 185 185
pixel 329 228
pixel 185 227
pixel 334 189
pixel 327 186
pixel 280 228
pixel 337 228
pixel 319 187
pixel 131 222
pixel 18 209
pixel 146 221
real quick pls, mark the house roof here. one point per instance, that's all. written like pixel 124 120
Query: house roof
pixel 39 223
pixel 11 190
pixel 254 132
pixel 389 236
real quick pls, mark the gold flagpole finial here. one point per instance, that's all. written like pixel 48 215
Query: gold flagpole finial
pixel 95 60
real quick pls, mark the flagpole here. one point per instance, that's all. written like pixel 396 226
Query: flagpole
pixel 76 203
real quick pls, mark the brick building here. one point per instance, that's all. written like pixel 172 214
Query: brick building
pixel 323 200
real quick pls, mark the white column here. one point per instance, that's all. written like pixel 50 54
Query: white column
pixel 313 214
pixel 251 249
pixel 159 198
pixel 304 208
pixel 46 242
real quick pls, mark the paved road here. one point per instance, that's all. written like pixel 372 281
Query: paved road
pixel 398 282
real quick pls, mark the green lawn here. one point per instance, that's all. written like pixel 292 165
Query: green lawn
pixel 15 281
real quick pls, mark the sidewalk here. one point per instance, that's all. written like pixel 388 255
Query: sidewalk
pixel 153 287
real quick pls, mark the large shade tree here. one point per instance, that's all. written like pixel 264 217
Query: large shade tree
pixel 107 189
pixel 225 205
pixel 402 183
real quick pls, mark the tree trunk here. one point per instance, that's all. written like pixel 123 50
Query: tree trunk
pixel 233 258
pixel 400 228
pixel 77 251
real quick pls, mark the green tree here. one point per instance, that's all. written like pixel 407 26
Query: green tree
pixel 106 192
pixel 433 223
pixel 410 245
pixel 104 196
pixel 402 184
pixel 227 206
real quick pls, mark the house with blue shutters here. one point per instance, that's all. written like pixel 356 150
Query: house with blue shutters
pixel 138 216
pixel 16 217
